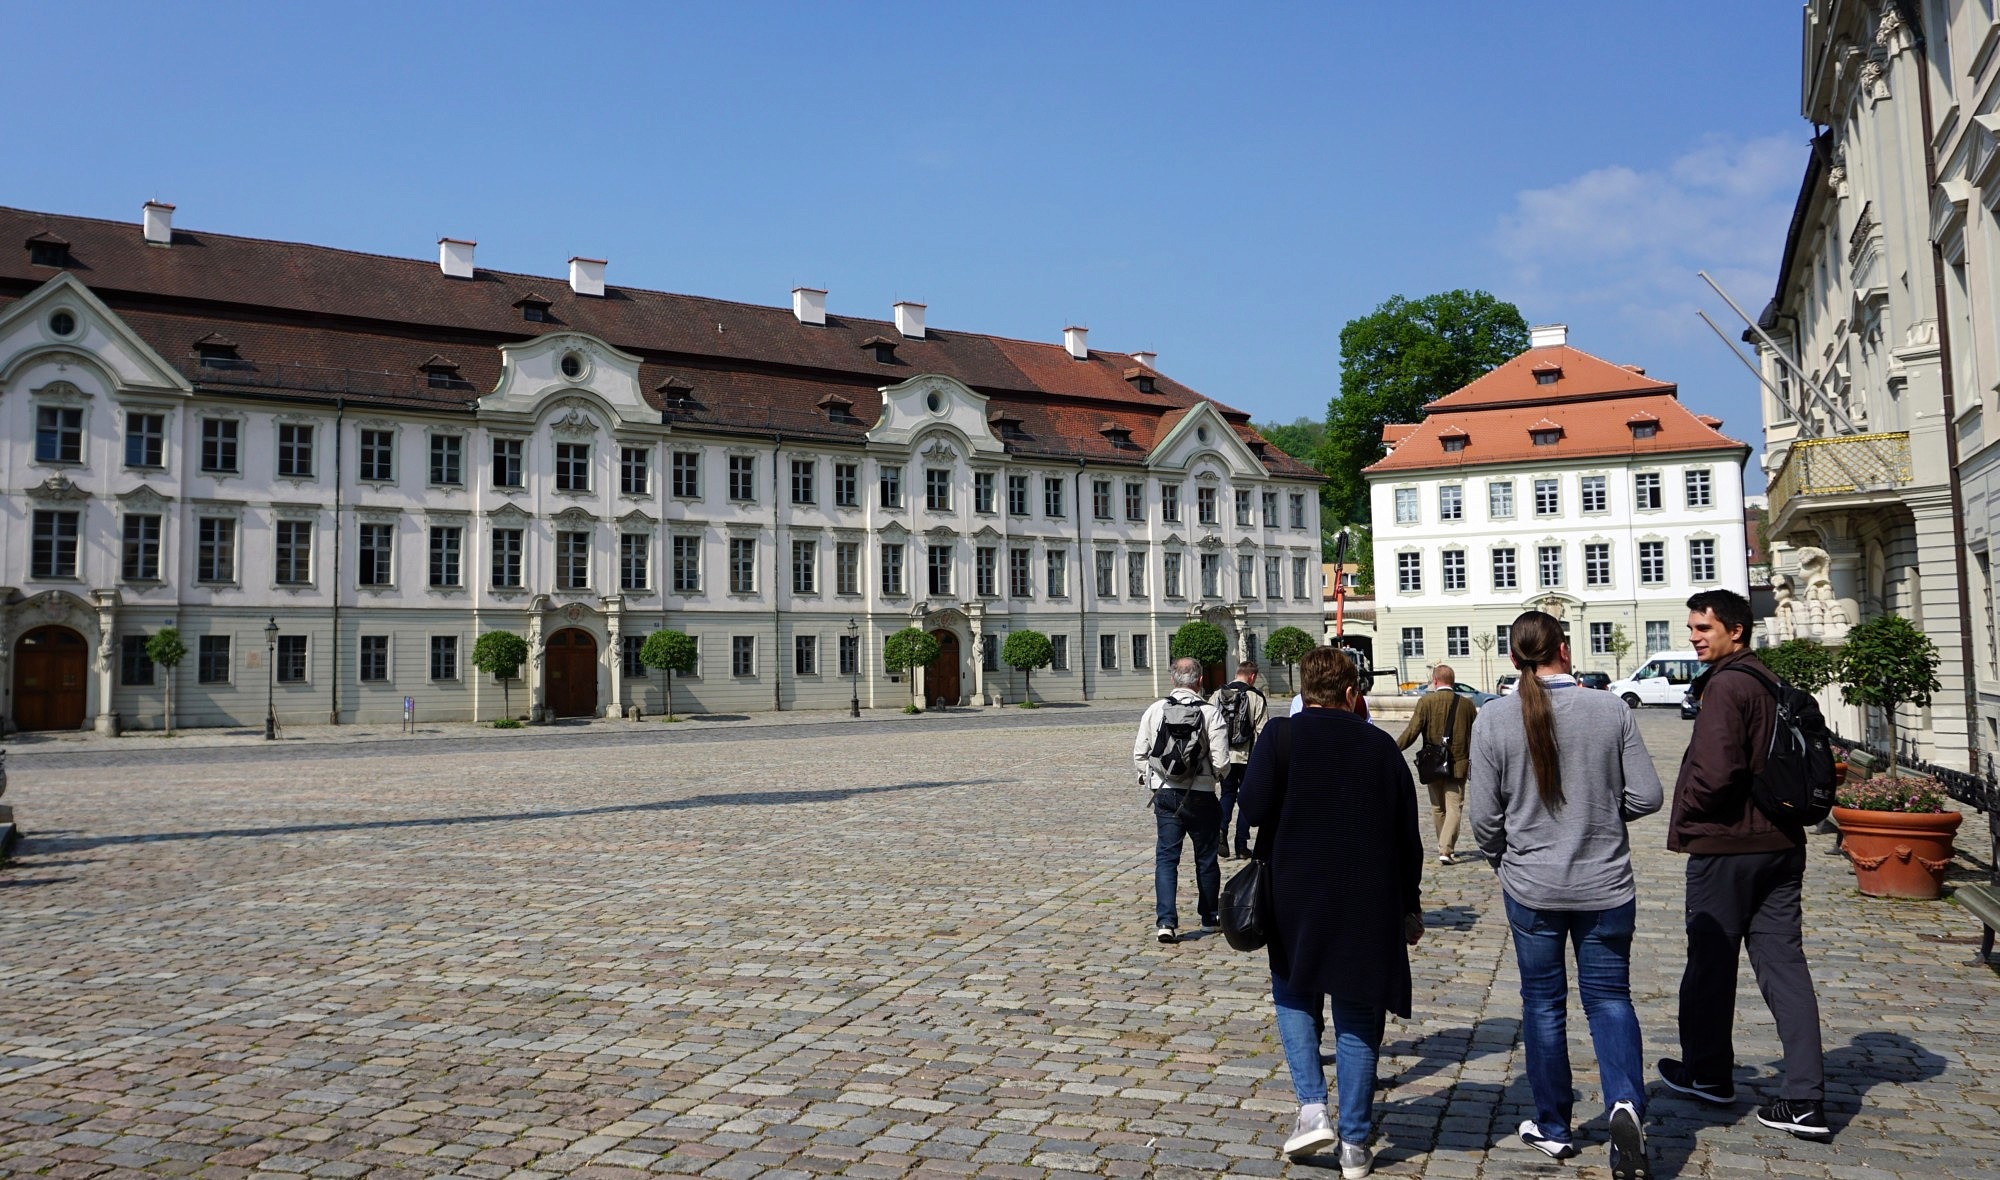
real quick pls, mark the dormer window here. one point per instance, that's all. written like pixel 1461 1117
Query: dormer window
pixel 839 410
pixel 1643 425
pixel 1118 436
pixel 1141 379
pixel 46 249
pixel 1545 433
pixel 1453 443
pixel 677 396
pixel 1007 426
pixel 883 347
pixel 1547 373
pixel 215 351
pixel 534 309
pixel 440 373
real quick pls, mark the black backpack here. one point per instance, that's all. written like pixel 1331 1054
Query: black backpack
pixel 1796 785
pixel 1180 746
pixel 1435 760
pixel 1236 714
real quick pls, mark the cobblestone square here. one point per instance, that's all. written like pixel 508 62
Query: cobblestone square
pixel 811 949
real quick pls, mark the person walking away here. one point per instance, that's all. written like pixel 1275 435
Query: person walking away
pixel 1745 875
pixel 1443 719
pixel 1336 813
pixel 1180 741
pixel 1243 708
pixel 1557 773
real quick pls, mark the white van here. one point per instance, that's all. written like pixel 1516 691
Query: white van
pixel 1662 680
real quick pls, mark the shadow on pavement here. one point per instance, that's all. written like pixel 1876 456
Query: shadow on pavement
pixel 1453 1046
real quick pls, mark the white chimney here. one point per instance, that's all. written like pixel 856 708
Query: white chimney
pixel 586 276
pixel 910 320
pixel 809 304
pixel 159 223
pixel 455 257
pixel 1075 339
pixel 1147 359
pixel 1548 336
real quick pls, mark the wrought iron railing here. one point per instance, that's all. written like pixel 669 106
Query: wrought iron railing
pixel 1847 463
pixel 1981 792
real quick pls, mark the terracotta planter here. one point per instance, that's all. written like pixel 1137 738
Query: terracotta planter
pixel 1898 853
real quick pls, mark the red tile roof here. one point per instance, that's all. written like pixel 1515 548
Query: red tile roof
pixel 1582 376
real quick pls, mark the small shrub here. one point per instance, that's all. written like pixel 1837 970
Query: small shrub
pixel 506 723
pixel 1029 705
pixel 1883 793
pixel 911 709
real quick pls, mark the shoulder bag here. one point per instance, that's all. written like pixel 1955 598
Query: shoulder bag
pixel 1434 759
pixel 1247 914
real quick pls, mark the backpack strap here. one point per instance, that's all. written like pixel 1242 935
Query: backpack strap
pixel 1450 717
pixel 1747 670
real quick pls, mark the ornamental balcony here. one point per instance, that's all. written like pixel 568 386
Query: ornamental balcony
pixel 1847 471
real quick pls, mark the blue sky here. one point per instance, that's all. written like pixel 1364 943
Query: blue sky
pixel 1227 186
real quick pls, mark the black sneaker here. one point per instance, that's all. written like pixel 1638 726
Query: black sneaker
pixel 1628 1144
pixel 1802 1118
pixel 1555 1149
pixel 1678 1077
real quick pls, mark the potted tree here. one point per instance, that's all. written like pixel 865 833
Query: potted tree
pixel 671 652
pixel 1024 652
pixel 1204 643
pixel 1894 827
pixel 905 652
pixel 1286 646
pixel 166 649
pixel 500 655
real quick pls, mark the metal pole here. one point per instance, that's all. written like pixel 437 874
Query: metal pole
pixel 271 681
pixel 1846 423
pixel 854 669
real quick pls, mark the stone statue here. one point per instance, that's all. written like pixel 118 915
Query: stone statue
pixel 1784 616
pixel 1825 618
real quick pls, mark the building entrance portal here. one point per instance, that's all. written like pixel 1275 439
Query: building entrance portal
pixel 571 667
pixel 941 677
pixel 50 664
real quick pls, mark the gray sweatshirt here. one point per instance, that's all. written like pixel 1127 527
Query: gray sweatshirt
pixel 1578 857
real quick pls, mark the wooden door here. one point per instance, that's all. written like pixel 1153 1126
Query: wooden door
pixel 50 664
pixel 941 676
pixel 570 663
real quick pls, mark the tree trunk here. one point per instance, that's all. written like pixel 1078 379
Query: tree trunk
pixel 1027 685
pixel 506 698
pixel 1889 717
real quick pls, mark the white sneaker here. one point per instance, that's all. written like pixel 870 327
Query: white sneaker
pixel 1165 934
pixel 1356 1161
pixel 1311 1134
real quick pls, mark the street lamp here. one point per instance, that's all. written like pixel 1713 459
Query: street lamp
pixel 854 702
pixel 271 680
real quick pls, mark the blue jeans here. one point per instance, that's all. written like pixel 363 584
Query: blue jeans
pixel 1196 822
pixel 1603 942
pixel 1232 783
pixel 1357 1042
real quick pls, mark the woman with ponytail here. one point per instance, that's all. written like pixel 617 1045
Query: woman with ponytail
pixel 1557 773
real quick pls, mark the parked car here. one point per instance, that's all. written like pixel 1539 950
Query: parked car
pixel 1465 690
pixel 1505 685
pixel 1594 679
pixel 1661 680
pixel 1690 705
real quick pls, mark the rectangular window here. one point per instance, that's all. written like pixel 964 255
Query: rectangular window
pixel 1457 642
pixel 1652 563
pixel 1298 510
pixel 573 561
pixel 1141 657
pixel 635 561
pixel 572 467
pixel 1549 560
pixel 1173 575
pixel 1058 653
pixel 1597 564
pixel 211 660
pixel 58 434
pixel 937 566
pixel 985 562
pixel 291 546
pixel 1204 505
pixel 1454 569
pixel 1506 570
pixel 1451 502
pixel 1410 572
pixel 686 468
pixel 1017 495
pixel 1107 652
pixel 1701 560
pixel 1052 499
pixel 135 667
pixel 507 470
pixel 847 485
pixel 982 491
pixel 446 543
pixel 376 562
pixel 444 657
pixel 447 460
pixel 890 481
pixel 1646 490
pixel 1299 568
pixel 629 663
pixel 1135 500
pixel 803 491
pixel 219 452
pixel 742 655
pixel 295 451
pixel 1100 499
pixel 291 656
pixel 937 489
pixel 215 549
pixel 374 658
pixel 1591 490
pixel 1659 634
pixel 506 558
pixel 1500 501
pixel 635 471
pixel 1242 508
pixel 847 567
pixel 1020 574
pixel 743 478
pixel 1210 565
pixel 805 655
pixel 1600 639
pixel 850 655
pixel 1135 575
pixel 1503 638
pixel 1700 492
pixel 1406 505
pixel 1413 643
pixel 1170 503
pixel 55 544
pixel 1274 577
pixel 1058 574
pixel 378 455
pixel 892 569
pixel 1246 576
pixel 1107 573
pixel 146 440
pixel 742 565
pixel 140 560
pixel 1270 510
pixel 1548 497
pixel 805 567
pixel 686 554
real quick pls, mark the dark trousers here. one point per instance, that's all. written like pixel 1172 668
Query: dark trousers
pixel 1232 782
pixel 1749 900
pixel 1190 814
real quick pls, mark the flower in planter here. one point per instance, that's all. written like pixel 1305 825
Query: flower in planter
pixel 1884 793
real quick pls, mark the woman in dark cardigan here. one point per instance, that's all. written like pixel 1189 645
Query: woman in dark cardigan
pixel 1337 800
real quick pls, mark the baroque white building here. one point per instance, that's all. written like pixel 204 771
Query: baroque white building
pixel 386 458
pixel 1560 482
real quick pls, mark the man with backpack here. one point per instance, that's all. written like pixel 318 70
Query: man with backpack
pixel 1243 709
pixel 1746 867
pixel 1443 719
pixel 1181 739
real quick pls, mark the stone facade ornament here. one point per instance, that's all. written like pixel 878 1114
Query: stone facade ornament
pixel 57 487
pixel 574 422
pixel 940 450
pixel 1784 616
pixel 1825 619
pixel 1874 87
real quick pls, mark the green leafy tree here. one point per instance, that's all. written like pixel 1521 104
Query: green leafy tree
pixel 1204 643
pixel 1024 652
pixel 1286 646
pixel 1802 663
pixel 906 651
pixel 1300 438
pixel 165 648
pixel 670 652
pixel 1620 646
pixel 1888 663
pixel 1396 360
pixel 500 655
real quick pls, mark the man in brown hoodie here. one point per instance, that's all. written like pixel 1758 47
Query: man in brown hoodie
pixel 1745 874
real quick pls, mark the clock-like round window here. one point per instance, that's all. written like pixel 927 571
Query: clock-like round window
pixel 933 401
pixel 572 365
pixel 1201 432
pixel 62 323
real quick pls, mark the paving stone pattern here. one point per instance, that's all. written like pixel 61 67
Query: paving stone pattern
pixel 887 953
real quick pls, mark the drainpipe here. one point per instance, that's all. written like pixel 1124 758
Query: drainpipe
pixel 778 652
pixel 1083 573
pixel 339 470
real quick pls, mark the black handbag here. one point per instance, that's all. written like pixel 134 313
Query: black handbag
pixel 1248 917
pixel 1434 759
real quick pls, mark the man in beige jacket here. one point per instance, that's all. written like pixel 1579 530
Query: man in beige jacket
pixel 1443 709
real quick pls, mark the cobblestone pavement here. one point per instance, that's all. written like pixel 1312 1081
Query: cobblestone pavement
pixel 902 952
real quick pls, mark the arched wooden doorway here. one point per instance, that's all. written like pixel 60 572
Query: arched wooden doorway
pixel 570 666
pixel 50 664
pixel 941 676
